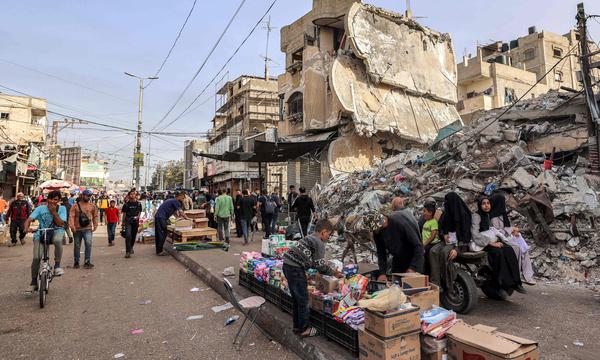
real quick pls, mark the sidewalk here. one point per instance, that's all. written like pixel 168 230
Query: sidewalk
pixel 209 266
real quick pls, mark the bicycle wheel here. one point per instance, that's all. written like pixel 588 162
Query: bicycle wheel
pixel 42 288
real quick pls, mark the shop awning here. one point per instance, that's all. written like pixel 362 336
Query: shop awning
pixel 271 152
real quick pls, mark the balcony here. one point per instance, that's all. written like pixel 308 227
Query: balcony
pixel 479 102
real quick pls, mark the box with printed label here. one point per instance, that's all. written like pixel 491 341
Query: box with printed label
pixel 425 298
pixel 372 347
pixel 387 325
pixel 326 284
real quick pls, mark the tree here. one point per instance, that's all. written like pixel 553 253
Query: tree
pixel 172 175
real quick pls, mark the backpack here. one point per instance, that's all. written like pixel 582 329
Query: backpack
pixel 84 220
pixel 270 206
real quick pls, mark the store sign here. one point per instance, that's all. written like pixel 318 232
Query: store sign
pixel 138 159
pixel 92 174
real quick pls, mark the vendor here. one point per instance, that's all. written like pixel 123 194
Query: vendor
pixel 398 236
pixel 165 211
pixel 309 253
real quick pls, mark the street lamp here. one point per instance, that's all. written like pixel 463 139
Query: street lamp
pixel 138 142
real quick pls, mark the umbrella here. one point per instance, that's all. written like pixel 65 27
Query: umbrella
pixel 55 184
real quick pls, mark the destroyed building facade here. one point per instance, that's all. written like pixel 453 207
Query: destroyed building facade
pixel 378 80
pixel 501 72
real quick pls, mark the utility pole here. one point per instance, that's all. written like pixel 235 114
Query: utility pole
pixel 138 157
pixel 593 112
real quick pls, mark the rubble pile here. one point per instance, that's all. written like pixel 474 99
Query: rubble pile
pixel 554 203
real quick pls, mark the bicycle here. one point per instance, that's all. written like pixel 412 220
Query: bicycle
pixel 46 273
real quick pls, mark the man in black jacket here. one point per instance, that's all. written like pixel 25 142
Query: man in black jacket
pixel 398 236
pixel 238 215
pixel 304 207
pixel 18 211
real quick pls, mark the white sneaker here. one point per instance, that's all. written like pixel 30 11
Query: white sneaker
pixel 58 272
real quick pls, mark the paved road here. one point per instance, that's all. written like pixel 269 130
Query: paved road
pixel 90 312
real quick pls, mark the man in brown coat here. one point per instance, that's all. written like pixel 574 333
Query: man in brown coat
pixel 83 220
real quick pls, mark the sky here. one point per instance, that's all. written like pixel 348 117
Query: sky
pixel 74 53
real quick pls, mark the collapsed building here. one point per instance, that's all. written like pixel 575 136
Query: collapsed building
pixel 374 81
pixel 535 153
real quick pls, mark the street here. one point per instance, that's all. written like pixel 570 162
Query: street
pixel 90 313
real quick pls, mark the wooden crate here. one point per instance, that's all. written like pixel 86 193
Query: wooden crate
pixel 195 214
pixel 200 223
pixel 192 235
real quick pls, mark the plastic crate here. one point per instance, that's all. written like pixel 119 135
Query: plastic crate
pixel 317 320
pixel 272 294
pixel 373 286
pixel 341 334
pixel 257 287
pixel 244 279
pixel 285 302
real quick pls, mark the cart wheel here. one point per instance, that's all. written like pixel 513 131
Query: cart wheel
pixel 465 296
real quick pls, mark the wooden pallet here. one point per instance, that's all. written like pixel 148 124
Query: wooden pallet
pixel 200 223
pixel 195 214
pixel 183 236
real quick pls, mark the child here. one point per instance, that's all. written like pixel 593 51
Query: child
pixel 112 220
pixel 429 233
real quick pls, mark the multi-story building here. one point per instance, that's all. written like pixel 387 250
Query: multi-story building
pixel 501 72
pixel 70 163
pixel 193 166
pixel 246 108
pixel 375 81
pixel 23 123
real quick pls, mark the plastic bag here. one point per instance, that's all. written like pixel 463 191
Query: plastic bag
pixel 385 300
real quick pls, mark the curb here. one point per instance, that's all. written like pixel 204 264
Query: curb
pixel 267 321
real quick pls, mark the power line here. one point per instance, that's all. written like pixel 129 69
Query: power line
pixel 66 81
pixel 222 68
pixel 174 43
pixel 202 65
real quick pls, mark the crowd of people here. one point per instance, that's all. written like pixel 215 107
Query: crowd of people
pixel 431 243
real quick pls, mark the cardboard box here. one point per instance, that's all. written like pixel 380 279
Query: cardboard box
pixel 194 214
pixel 326 284
pixel 183 224
pixel 411 280
pixel 315 302
pixel 372 347
pixel 424 298
pixel 482 342
pixel 392 324
pixel 200 223
pixel 148 239
pixel 434 349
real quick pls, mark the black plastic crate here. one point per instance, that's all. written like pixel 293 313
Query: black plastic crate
pixel 373 286
pixel 272 294
pixel 317 320
pixel 285 302
pixel 257 287
pixel 341 334
pixel 244 279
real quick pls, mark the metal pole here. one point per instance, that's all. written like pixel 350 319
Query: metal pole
pixel 148 160
pixel 138 141
pixel 592 108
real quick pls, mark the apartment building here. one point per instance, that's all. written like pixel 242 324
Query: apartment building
pixel 193 166
pixel 70 163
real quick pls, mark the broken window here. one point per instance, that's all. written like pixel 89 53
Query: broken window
pixel 296 107
pixel 557 52
pixel 4 116
pixel 509 96
pixel 529 54
pixel 558 76
pixel 296 62
pixel 241 110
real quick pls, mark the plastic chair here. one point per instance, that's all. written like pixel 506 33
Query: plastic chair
pixel 250 307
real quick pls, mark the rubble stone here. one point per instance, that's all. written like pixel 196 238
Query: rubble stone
pixel 523 178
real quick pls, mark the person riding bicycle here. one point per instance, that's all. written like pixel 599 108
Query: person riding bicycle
pixel 48 216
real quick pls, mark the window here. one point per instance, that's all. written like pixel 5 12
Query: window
pixel 529 54
pixel 558 76
pixel 241 110
pixel 579 76
pixel 295 106
pixel 509 96
pixel 557 52
pixel 4 116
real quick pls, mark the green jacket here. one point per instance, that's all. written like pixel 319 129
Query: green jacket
pixel 224 206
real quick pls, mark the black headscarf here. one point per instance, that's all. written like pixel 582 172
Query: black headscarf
pixel 498 202
pixel 456 218
pixel 484 225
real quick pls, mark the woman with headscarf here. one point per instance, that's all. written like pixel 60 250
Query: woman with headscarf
pixel 499 220
pixel 455 228
pixel 501 257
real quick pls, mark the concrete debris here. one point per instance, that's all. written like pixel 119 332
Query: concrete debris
pixel 553 201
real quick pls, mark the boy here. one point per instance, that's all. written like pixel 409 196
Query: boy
pixel 429 233
pixel 309 253
pixel 112 220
